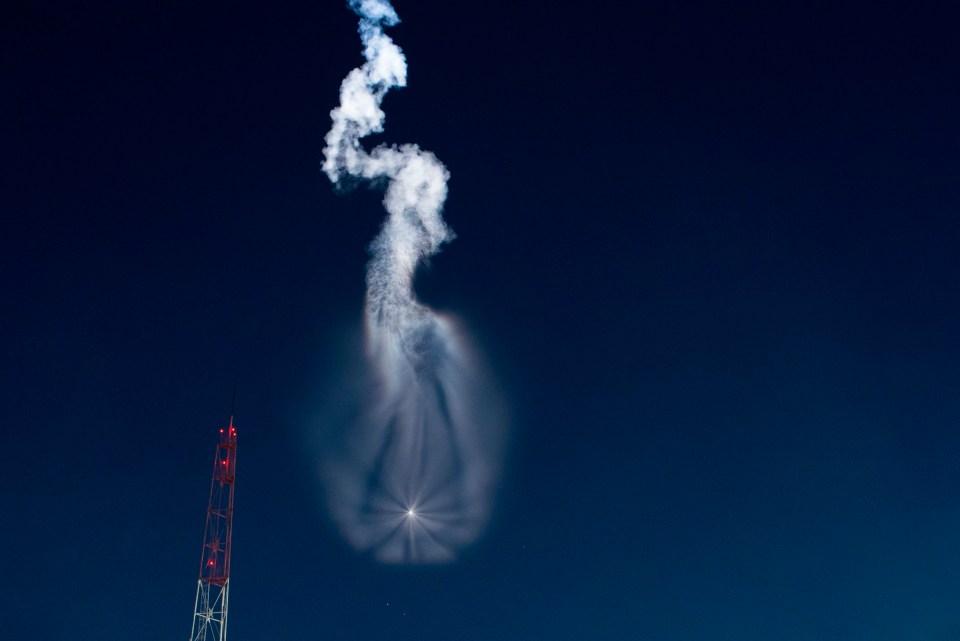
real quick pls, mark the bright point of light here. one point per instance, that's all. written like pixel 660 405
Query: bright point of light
pixel 410 512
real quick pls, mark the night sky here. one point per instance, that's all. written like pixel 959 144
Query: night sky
pixel 709 250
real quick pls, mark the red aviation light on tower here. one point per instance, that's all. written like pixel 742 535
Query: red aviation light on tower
pixel 213 586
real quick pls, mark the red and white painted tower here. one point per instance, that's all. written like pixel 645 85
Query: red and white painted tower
pixel 213 587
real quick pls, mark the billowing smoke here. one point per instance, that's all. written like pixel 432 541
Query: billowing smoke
pixel 413 478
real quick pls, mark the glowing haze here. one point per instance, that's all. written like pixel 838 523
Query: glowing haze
pixel 413 478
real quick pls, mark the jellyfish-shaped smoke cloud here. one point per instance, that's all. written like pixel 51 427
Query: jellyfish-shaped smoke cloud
pixel 414 476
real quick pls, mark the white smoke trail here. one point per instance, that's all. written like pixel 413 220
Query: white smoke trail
pixel 414 481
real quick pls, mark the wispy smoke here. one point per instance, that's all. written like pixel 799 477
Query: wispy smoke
pixel 414 479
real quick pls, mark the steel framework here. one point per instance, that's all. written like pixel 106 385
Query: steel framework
pixel 213 587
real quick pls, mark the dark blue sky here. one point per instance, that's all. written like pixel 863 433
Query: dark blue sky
pixel 710 251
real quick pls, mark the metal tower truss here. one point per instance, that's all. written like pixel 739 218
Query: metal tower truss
pixel 213 587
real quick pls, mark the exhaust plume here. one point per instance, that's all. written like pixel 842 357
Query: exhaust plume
pixel 414 476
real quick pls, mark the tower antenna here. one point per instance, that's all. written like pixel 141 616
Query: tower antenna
pixel 233 403
pixel 213 586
